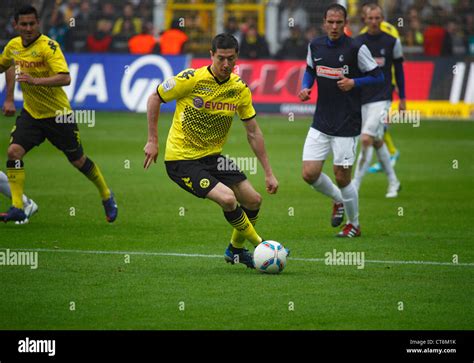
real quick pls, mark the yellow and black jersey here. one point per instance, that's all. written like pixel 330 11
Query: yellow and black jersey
pixel 205 108
pixel 42 58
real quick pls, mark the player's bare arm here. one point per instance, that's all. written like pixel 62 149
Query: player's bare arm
pixel 153 112
pixel 256 141
pixel 58 80
pixel 8 108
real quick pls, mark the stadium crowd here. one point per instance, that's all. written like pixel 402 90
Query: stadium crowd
pixel 437 27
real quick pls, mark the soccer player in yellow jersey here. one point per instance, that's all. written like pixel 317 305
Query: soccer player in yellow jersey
pixel 42 71
pixel 207 100
pixel 388 28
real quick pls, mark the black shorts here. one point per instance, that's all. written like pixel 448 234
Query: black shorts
pixel 29 132
pixel 200 176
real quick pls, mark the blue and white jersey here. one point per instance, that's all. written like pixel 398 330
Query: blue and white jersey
pixel 386 50
pixel 338 113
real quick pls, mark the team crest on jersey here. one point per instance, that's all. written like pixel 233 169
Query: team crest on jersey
pixel 198 102
pixel 341 58
pixel 382 51
pixel 204 183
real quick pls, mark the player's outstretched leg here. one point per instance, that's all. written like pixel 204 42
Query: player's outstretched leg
pixel 16 181
pixel 322 183
pixel 87 167
pixel 237 218
pixel 393 183
pixel 29 205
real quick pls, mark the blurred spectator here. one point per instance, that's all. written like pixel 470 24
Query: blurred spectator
pixel 253 45
pixel 100 41
pixel 295 47
pixel 290 16
pixel 108 12
pixel 145 11
pixel 232 27
pixel 128 14
pixel 310 33
pixel 70 9
pixel 413 33
pixel 120 40
pixel 437 41
pixel 198 38
pixel 173 41
pixel 59 31
pixel 144 43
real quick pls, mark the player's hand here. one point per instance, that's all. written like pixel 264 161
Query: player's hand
pixel 151 153
pixel 8 108
pixel 304 94
pixel 345 84
pixel 402 106
pixel 25 77
pixel 271 183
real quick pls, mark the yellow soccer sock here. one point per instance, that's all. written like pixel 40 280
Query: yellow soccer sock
pixel 387 138
pixel 93 173
pixel 238 239
pixel 239 220
pixel 16 180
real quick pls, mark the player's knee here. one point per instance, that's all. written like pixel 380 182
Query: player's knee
pixel 310 176
pixel 255 202
pixel 342 178
pixel 378 143
pixel 366 140
pixel 228 201
pixel 15 152
pixel 79 163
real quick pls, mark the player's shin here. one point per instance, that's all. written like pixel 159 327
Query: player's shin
pixel 363 163
pixel 238 239
pixel 16 180
pixel 384 157
pixel 350 198
pixel 325 185
pixel 93 173
pixel 239 220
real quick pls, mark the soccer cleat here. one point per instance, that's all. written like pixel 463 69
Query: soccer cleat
pixel 30 208
pixel 239 255
pixel 393 189
pixel 375 168
pixel 349 231
pixel 337 214
pixel 15 214
pixel 110 208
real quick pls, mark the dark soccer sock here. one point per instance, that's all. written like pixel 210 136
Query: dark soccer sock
pixel 239 220
pixel 238 239
pixel 92 172
pixel 16 180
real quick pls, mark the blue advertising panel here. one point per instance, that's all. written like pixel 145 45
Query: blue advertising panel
pixel 113 82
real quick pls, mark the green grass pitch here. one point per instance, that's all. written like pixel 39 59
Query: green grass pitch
pixel 143 280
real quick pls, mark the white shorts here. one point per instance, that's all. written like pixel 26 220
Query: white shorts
pixel 318 146
pixel 374 116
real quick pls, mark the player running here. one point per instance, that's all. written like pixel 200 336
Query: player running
pixel 42 71
pixel 207 100
pixel 341 67
pixel 377 99
pixel 388 28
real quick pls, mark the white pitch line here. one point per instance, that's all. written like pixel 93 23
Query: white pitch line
pixel 143 253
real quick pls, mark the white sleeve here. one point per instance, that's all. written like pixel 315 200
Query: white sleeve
pixel 364 60
pixel 309 58
pixel 397 50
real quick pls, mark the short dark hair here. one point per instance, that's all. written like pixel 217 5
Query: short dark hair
pixel 26 10
pixel 224 41
pixel 336 7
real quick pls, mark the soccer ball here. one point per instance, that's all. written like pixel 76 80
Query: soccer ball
pixel 270 257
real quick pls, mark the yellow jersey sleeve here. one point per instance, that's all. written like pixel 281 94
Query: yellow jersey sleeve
pixel 178 86
pixel 245 108
pixel 5 58
pixel 55 58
